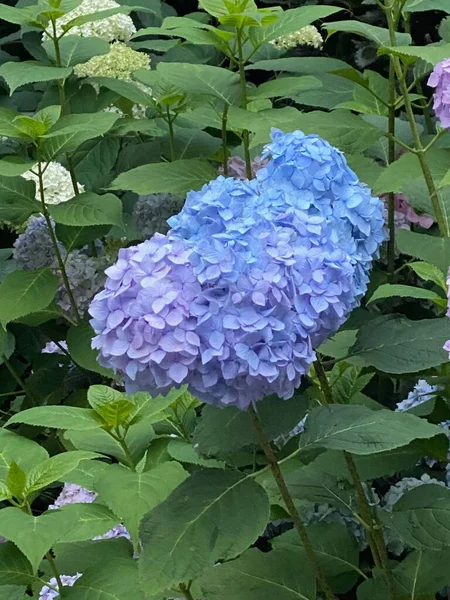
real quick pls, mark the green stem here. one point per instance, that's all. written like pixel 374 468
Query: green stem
pixel 438 209
pixel 244 102
pixel 224 140
pixel 54 569
pixel 391 159
pixel 121 441
pixel 55 245
pixel 61 90
pixel 186 592
pixel 291 508
pixel 19 381
pixel 171 136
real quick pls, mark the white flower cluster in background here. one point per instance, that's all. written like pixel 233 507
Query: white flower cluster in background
pixel 120 63
pixel 115 27
pixel 47 593
pixel 58 185
pixel 306 36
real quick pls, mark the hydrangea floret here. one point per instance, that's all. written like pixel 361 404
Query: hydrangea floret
pixel 440 81
pixel 49 593
pixel 249 280
pixel 150 213
pixel 58 186
pixel 306 36
pixel 405 215
pixel 115 27
pixel 237 169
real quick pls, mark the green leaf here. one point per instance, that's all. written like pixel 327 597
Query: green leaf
pixel 13 592
pixel 58 417
pixel 422 517
pixel 281 574
pixel 17 199
pixel 289 21
pixel 80 556
pixel 444 29
pixel 75 49
pixel 311 65
pixel 395 344
pixel 34 536
pixel 204 80
pixel 16 480
pixel 431 54
pixel 72 130
pixel 117 485
pixel 176 177
pixel 14 566
pixel 127 89
pixel 424 5
pixel 379 35
pixel 14 448
pixel 152 409
pixel 24 292
pixel 432 249
pixel 76 237
pixel 429 272
pixel 416 576
pixel 17 74
pixel 12 166
pixel 79 340
pixel 367 169
pixel 91 520
pixel 113 580
pixel 54 469
pixel 184 452
pixel 403 291
pixel 347 382
pixel 335 547
pixel 88 209
pixel 110 404
pixel 18 16
pixel 224 431
pixel 210 501
pixel 94 162
pixel 285 87
pixel 359 430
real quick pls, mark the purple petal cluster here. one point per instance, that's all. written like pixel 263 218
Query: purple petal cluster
pixel 250 278
pixel 440 80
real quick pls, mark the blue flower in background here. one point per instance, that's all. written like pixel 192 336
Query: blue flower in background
pixel 250 278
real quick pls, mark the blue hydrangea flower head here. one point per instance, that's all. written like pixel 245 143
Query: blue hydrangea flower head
pixel 421 393
pixel 251 277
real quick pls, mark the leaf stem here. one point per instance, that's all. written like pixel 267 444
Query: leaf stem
pixel 54 569
pixel 391 159
pixel 184 589
pixel 438 209
pixel 19 381
pixel 244 102
pixel 55 245
pixel 291 508
pixel 121 441
pixel 224 140
pixel 171 135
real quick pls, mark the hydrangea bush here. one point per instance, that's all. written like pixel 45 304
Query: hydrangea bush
pixel 224 287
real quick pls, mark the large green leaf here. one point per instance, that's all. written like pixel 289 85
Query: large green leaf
pixel 13 592
pixel 432 249
pixel 94 162
pixel 19 16
pixel 113 580
pixel 91 520
pixel 76 49
pixel 390 290
pixel 34 536
pixel 359 430
pixel 379 35
pixel 311 65
pixel 395 344
pixel 79 341
pixel 7 127
pixel 177 177
pixel 54 468
pixel 424 5
pixel 25 292
pixel 127 89
pixel 334 92
pixel 15 569
pixel 58 417
pixel 17 74
pixel 431 54
pixel 17 199
pixel 219 513
pixel 21 450
pixel 285 87
pixel 72 130
pixel 283 574
pixel 12 166
pixel 80 556
pixel 417 577
pixel 117 485
pixel 224 431
pixel 89 209
pixel 203 80
pixel 290 21
pixel 422 517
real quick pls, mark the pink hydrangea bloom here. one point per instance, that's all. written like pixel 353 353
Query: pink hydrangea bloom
pixel 237 169
pixel 405 214
pixel 440 80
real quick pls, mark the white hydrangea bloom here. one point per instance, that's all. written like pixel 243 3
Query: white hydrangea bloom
pixel 115 27
pixel 47 593
pixel 58 186
pixel 306 36
pixel 120 63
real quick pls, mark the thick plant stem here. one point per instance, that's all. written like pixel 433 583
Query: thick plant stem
pixel 224 140
pixel 55 572
pixel 55 246
pixel 171 135
pixel 244 102
pixel 438 209
pixel 73 176
pixel 186 592
pixel 391 159
pixel 374 531
pixel 19 381
pixel 292 510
